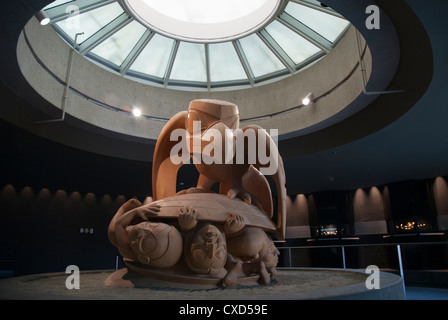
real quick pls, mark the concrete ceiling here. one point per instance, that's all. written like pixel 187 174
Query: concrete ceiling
pixel 397 137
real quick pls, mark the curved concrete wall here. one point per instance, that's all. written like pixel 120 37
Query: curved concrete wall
pixel 337 72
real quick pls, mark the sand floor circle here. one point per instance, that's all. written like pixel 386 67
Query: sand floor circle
pixel 295 284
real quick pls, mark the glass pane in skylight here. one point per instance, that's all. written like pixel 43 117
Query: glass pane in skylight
pixel 224 63
pixel 57 3
pixel 190 63
pixel 90 21
pixel 206 11
pixel 117 47
pixel 297 48
pixel 261 59
pixel 153 60
pixel 312 2
pixel 328 26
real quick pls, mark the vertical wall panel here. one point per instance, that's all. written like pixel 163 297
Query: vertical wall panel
pixel 370 210
pixel 440 189
pixel 297 217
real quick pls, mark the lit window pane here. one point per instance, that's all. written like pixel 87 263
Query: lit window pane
pixel 153 60
pixel 261 59
pixel 224 63
pixel 297 48
pixel 117 47
pixel 90 21
pixel 328 26
pixel 206 11
pixel 313 2
pixel 56 3
pixel 190 63
pixel 226 66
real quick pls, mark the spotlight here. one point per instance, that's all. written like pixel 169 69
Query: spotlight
pixel 137 112
pixel 43 18
pixel 308 99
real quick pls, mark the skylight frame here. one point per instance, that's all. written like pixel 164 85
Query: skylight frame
pixel 185 31
pixel 59 13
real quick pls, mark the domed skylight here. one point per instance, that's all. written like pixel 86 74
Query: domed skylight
pixel 203 21
pixel 215 45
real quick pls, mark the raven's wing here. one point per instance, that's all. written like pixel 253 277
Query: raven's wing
pixel 164 170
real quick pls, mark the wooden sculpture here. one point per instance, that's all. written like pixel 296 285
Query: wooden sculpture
pixel 196 237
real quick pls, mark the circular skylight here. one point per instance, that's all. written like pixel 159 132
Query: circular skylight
pixel 199 44
pixel 203 20
pixel 204 11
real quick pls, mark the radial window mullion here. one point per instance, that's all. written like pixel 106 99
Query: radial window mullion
pixel 56 3
pixel 104 33
pixel 296 47
pixel 67 10
pixel 327 26
pixel 277 50
pixel 154 58
pixel 301 33
pixel 245 63
pixel 261 59
pixel 88 23
pixel 317 6
pixel 135 52
pixel 118 46
pixel 171 60
pixel 207 64
pixel 305 32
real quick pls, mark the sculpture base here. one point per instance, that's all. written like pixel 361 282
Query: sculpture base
pixel 178 276
pixel 293 284
pixel 158 279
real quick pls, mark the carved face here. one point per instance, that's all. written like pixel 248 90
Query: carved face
pixel 207 252
pixel 209 113
pixel 156 244
pixel 210 126
pixel 271 258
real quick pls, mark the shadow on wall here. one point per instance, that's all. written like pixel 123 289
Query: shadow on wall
pixel 46 231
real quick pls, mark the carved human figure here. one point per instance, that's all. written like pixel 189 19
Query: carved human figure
pixel 205 250
pixel 242 250
pixel 151 243
pixel 250 251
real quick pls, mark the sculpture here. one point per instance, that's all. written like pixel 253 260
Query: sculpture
pixel 196 236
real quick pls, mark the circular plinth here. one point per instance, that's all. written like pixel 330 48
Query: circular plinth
pixel 158 279
pixel 294 284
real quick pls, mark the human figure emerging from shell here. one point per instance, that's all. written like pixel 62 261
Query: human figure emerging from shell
pixel 196 234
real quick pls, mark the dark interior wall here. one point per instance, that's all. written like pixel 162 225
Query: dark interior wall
pixel 46 231
pixel 411 199
pixel 28 160
pixel 49 192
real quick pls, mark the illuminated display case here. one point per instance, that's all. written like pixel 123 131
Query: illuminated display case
pixel 414 225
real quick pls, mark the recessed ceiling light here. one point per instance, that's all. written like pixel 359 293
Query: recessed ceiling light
pixel 137 112
pixel 308 99
pixel 43 18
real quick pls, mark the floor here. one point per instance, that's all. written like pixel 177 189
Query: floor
pixel 412 292
pixel 422 293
